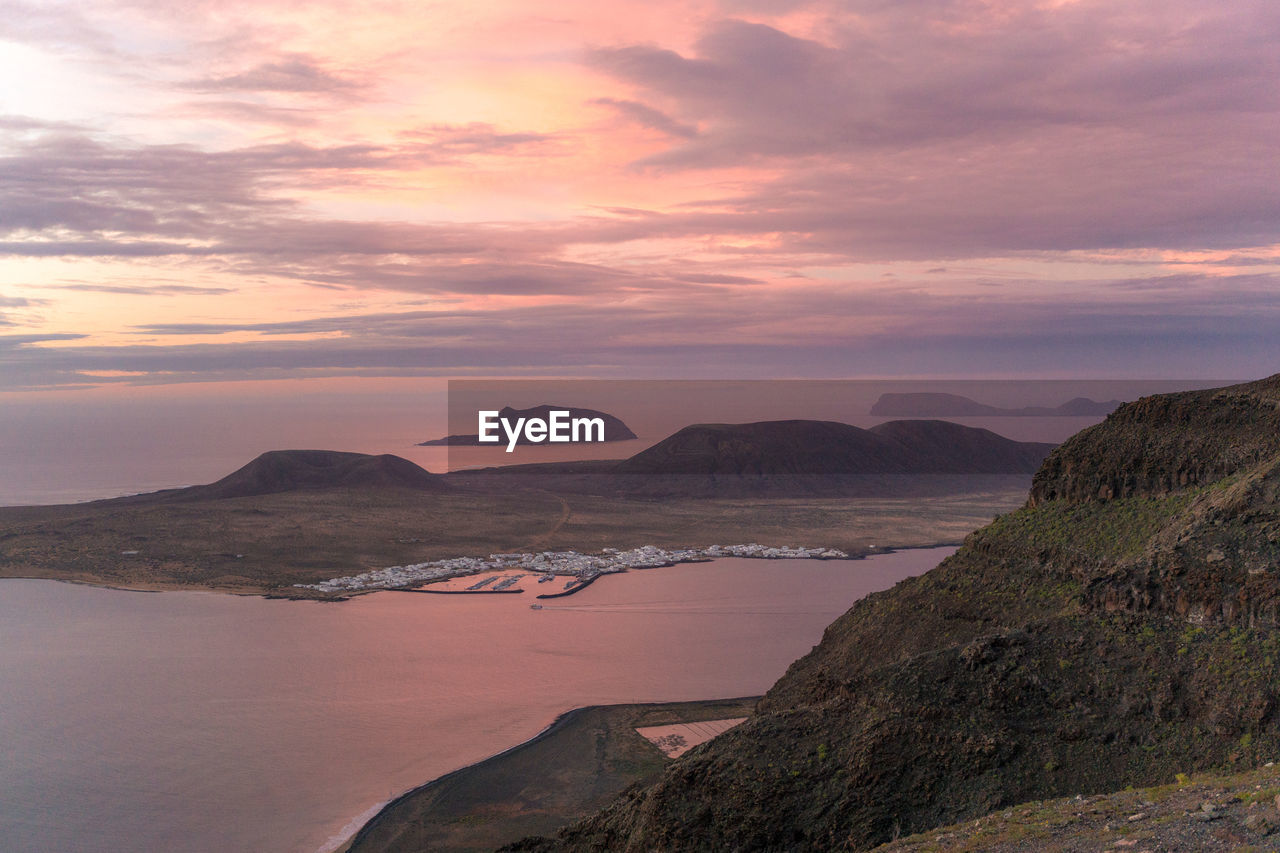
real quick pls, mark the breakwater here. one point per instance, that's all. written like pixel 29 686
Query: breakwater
pixel 577 587
pixel 465 591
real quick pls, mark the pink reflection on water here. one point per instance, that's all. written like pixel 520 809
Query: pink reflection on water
pixel 202 722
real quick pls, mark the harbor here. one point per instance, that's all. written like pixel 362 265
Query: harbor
pixel 571 588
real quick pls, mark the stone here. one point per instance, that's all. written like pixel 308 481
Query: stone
pixel 1259 824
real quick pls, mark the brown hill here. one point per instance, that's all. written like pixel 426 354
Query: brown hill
pixel 826 448
pixel 943 447
pixel 295 470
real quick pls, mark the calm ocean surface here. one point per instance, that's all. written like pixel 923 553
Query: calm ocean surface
pixel 204 722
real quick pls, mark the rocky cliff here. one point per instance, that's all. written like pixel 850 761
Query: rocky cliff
pixel 1166 443
pixel 1119 629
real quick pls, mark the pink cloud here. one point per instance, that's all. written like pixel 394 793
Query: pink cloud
pixel 650 182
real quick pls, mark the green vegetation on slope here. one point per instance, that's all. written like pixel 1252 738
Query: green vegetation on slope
pixel 1108 531
pixel 1119 630
pixel 1203 812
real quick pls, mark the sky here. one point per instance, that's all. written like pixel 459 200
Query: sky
pixel 224 191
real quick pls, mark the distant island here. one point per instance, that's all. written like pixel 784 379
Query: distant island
pixel 930 405
pixel 614 428
pixel 293 517
pixel 833 448
pixel 791 459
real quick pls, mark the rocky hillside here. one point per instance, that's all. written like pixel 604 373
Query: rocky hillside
pixel 1159 445
pixel 1118 630
pixel 1231 813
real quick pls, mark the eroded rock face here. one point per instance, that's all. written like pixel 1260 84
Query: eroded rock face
pixel 1215 559
pixel 1119 629
pixel 1162 444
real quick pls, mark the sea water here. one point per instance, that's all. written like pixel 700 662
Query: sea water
pixel 185 721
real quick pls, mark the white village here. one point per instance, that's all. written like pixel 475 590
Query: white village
pixel 582 568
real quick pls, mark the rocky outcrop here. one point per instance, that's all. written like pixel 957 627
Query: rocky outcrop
pixel 1165 443
pixel 1204 813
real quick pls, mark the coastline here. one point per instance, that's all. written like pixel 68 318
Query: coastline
pixel 148 588
pixel 560 724
pixel 572 563
pixel 768 574
pixel 277 595
pixel 384 814
pixel 277 545
pixel 368 826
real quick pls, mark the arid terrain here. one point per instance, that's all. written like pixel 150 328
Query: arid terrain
pixel 267 543
pixel 303 516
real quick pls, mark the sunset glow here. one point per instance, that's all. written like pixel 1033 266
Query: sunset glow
pixel 244 190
